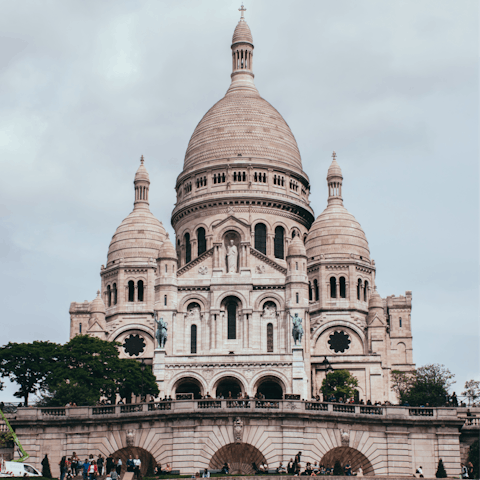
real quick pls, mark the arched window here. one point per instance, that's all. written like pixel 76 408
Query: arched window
pixel 79 328
pixel 297 298
pixel 193 339
pixel 333 287
pixel 131 291
pixel 278 243
pixel 310 296
pixel 109 296
pixel 400 322
pixel 140 290
pixel 343 288
pixel 359 289
pixel 261 238
pixel 165 300
pixel 270 337
pixel 315 287
pixel 365 292
pixel 188 248
pixel 201 240
pixel 114 293
pixel 294 234
pixel 232 320
pixel 296 265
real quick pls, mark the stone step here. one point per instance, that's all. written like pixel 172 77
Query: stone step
pixel 127 476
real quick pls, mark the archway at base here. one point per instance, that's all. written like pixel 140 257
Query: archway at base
pixel 189 385
pixel 240 456
pixel 349 455
pixel 228 387
pixel 145 457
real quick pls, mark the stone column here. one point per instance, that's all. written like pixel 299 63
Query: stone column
pixel 193 243
pixel 159 369
pixel 270 240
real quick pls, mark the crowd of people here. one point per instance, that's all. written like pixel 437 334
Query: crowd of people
pixel 112 468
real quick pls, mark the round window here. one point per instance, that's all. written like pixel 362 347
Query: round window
pixel 339 341
pixel 134 345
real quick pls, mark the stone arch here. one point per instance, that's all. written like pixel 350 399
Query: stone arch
pixel 264 297
pixel 338 323
pixel 224 375
pixel 116 333
pixel 271 386
pixel 193 297
pixel 274 376
pixel 231 293
pixel 144 455
pixel 240 456
pixel 186 377
pixel 351 455
pixel 241 231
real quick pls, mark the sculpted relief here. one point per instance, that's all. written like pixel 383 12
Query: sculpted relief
pixel 269 310
pixel 193 312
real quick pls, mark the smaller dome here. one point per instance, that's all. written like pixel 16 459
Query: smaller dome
pixel 375 300
pixel 296 248
pixel 336 231
pixel 167 249
pixel 142 173
pixel 97 305
pixel 334 170
pixel 242 33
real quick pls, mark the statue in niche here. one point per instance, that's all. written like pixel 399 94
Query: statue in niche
pixel 161 333
pixel 238 430
pixel 232 256
pixel 193 312
pixel 269 310
pixel 297 330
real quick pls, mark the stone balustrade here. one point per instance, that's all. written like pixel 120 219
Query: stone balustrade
pixel 251 406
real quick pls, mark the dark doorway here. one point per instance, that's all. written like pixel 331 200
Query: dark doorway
pixel 272 390
pixel 190 387
pixel 229 387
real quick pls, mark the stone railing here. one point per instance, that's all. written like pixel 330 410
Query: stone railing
pixel 472 422
pixel 178 407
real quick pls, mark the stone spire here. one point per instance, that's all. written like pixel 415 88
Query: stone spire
pixel 142 186
pixel 242 57
pixel 334 179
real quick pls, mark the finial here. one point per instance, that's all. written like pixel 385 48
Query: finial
pixel 242 9
pixel 141 159
pixel 98 293
pixel 334 155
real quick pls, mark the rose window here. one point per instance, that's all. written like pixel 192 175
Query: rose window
pixel 339 341
pixel 134 345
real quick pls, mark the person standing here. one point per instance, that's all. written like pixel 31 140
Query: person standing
pixel 119 466
pixel 92 470
pixel 130 464
pixel 100 465
pixel 63 467
pixel 137 465
pixel 86 465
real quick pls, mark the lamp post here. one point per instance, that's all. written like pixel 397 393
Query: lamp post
pixel 327 368
pixel 142 368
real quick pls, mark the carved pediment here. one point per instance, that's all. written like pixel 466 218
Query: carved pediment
pixel 267 261
pixel 96 327
pixel 232 219
pixel 196 263
pixel 377 322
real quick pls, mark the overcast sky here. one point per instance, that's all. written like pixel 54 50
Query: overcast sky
pixel 86 87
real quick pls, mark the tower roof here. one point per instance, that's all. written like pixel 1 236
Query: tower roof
pixel 140 236
pixel 336 231
pixel 97 305
pixel 242 33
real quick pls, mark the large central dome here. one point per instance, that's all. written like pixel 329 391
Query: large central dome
pixel 242 123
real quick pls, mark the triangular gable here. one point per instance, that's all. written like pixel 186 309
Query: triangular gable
pixel 195 262
pixel 263 258
pixel 377 322
pixel 95 328
pixel 231 217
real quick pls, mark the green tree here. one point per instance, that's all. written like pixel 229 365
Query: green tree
pixel 131 380
pixel 429 385
pixel 473 455
pixel 89 368
pixel 402 382
pixel 28 365
pixel 472 390
pixel 340 383
pixel 441 473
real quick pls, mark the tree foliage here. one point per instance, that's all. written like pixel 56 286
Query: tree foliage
pixel 28 365
pixel 441 472
pixel 426 385
pixel 340 383
pixel 473 456
pixel 472 390
pixel 82 371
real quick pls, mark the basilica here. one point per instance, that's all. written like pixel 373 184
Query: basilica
pixel 255 294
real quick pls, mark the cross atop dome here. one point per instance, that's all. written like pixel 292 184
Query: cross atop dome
pixel 242 10
pixel 142 160
pixel 334 155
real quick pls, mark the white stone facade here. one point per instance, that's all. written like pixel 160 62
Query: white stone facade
pixel 243 192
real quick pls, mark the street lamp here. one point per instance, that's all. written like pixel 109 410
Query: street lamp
pixel 142 368
pixel 327 368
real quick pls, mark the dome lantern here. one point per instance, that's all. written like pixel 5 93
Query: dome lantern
pixel 334 179
pixel 142 186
